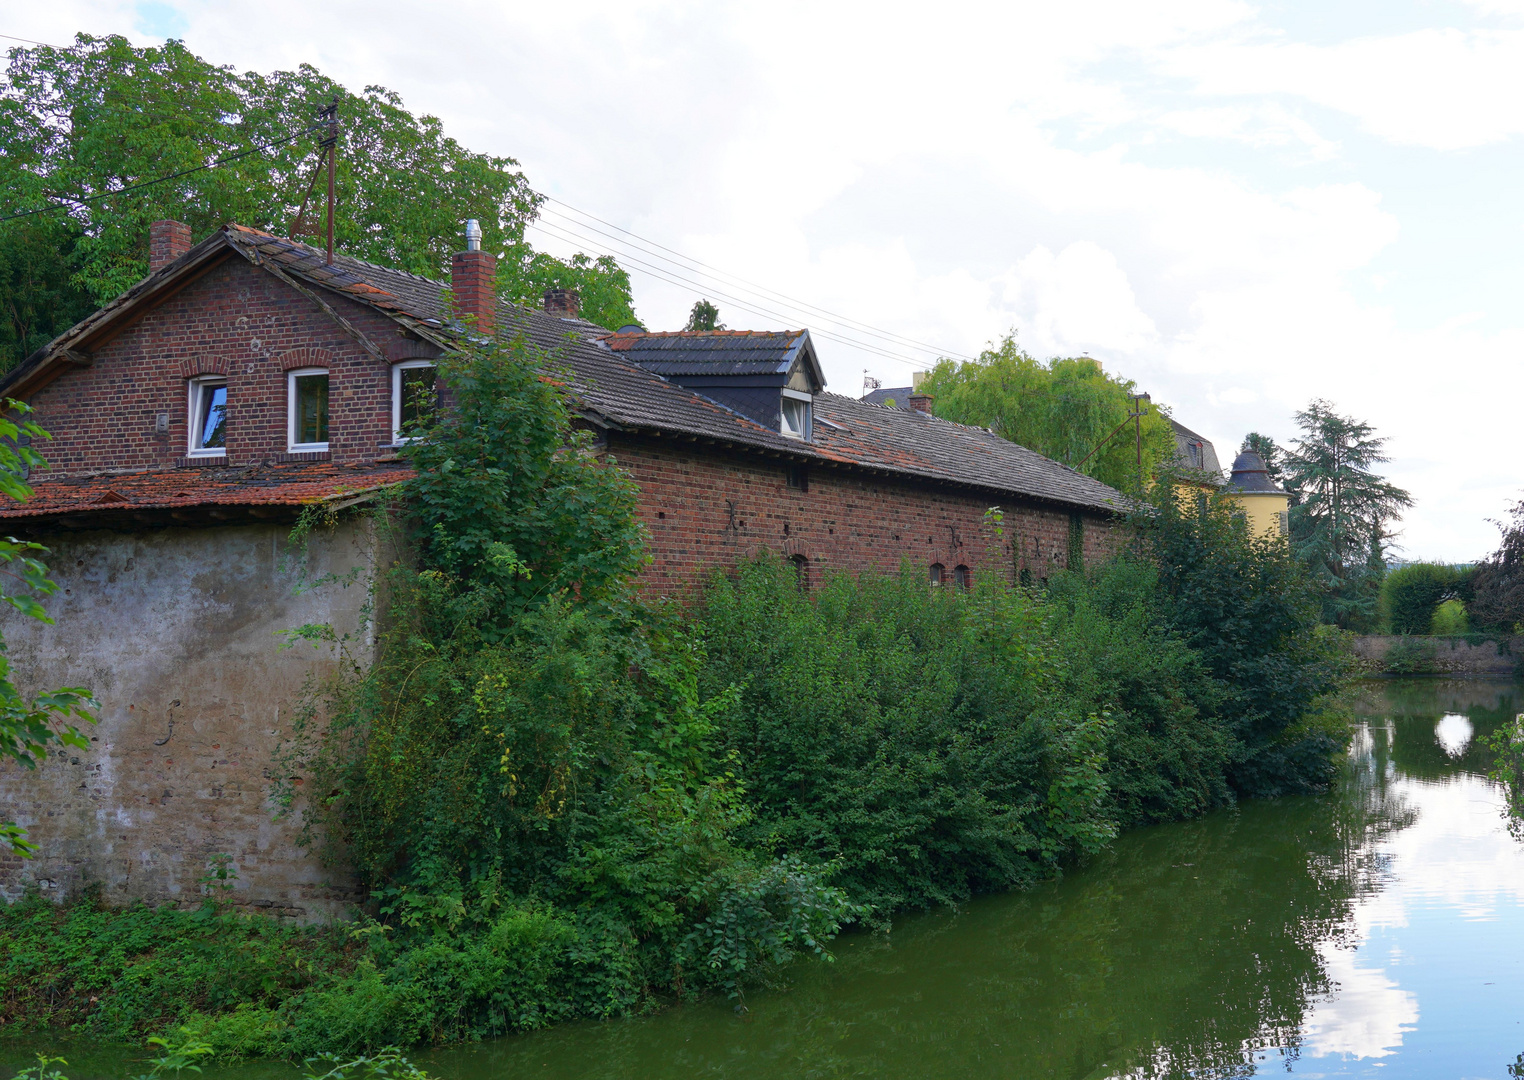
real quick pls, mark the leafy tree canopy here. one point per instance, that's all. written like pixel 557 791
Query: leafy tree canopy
pixel 1413 593
pixel 1498 582
pixel 80 124
pixel 1062 408
pixel 1344 511
pixel 704 316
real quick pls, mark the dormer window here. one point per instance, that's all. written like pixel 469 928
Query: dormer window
pixel 796 410
pixel 208 415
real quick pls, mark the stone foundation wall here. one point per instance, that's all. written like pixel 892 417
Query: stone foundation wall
pixel 1390 654
pixel 177 633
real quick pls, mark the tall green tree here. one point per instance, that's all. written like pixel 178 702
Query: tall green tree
pixel 1498 582
pixel 1344 511
pixel 1064 408
pixel 81 125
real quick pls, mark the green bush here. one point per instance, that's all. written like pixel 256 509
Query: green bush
pixel 1251 612
pixel 917 736
pixel 1412 595
pixel 1450 620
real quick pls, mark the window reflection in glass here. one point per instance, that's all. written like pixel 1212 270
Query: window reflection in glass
pixel 311 409
pixel 417 397
pixel 209 407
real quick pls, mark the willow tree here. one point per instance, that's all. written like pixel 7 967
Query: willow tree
pixel 1344 512
pixel 79 126
pixel 1068 409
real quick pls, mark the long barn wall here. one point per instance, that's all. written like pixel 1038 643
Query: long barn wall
pixel 705 511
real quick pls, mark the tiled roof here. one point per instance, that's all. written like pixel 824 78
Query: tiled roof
pixel 292 484
pixel 610 391
pixel 900 395
pixel 919 444
pixel 710 352
pixel 1185 438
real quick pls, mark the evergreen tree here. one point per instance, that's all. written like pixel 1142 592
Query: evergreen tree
pixel 1344 511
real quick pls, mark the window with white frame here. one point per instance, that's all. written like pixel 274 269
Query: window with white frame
pixel 797 407
pixel 413 396
pixel 307 410
pixel 207 419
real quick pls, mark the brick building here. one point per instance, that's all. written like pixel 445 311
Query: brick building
pixel 245 378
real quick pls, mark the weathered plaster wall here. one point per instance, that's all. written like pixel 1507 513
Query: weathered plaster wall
pixel 176 630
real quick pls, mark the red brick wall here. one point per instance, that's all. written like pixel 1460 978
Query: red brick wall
pixel 235 320
pixel 705 509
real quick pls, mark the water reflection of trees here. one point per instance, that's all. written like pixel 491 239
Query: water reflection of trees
pixel 1188 949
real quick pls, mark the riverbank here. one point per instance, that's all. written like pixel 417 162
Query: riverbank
pixel 1463 655
pixel 1335 935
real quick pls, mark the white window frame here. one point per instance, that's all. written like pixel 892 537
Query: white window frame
pixel 194 388
pixel 397 369
pixel 809 415
pixel 292 445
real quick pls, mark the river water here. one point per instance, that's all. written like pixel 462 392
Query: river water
pixel 1376 931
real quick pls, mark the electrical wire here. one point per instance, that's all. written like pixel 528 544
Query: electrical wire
pixel 768 295
pixel 165 179
pixel 671 277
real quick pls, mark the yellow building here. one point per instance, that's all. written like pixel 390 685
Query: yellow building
pixel 1265 506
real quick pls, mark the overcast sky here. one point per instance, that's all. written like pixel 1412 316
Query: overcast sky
pixel 1240 206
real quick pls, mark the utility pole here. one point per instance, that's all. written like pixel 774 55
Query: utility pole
pixel 333 149
pixel 1137 414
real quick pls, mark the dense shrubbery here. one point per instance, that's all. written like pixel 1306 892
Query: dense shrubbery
pixel 1412 595
pixel 567 804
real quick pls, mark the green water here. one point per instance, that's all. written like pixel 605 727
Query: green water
pixel 1378 931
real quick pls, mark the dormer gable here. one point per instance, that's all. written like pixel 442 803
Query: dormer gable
pixel 769 377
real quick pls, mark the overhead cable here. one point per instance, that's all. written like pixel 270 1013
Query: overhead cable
pixel 734 281
pixel 672 277
pixel 163 179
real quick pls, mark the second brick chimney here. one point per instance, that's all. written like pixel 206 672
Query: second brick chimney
pixel 167 241
pixel 473 280
pixel 563 303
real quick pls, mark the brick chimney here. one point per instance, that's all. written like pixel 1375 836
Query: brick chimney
pixel 167 241
pixel 921 402
pixel 563 303
pixel 473 280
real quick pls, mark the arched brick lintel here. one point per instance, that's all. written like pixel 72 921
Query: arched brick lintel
pixel 204 365
pixel 300 358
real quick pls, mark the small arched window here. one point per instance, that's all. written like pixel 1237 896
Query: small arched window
pixel 937 573
pixel 801 571
pixel 962 578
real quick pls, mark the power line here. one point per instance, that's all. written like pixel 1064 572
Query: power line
pixel 852 326
pixel 749 286
pixel 163 179
pixel 671 277
pixel 29 41
pixel 663 274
